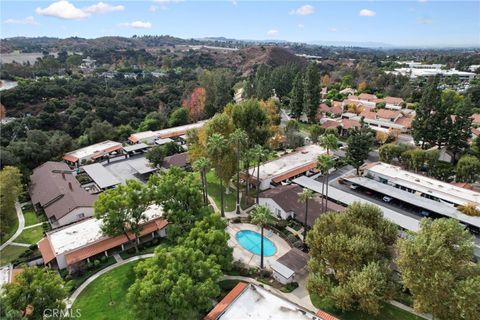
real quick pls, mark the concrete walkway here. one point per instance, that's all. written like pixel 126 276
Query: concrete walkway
pixel 21 225
pixel 408 309
pixel 18 244
pixel 69 302
pixel 34 225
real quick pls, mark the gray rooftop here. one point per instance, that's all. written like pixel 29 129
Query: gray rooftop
pixel 141 165
pixel 135 147
pixel 102 177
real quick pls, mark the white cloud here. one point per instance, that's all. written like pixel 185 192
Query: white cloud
pixel 27 20
pixel 102 7
pixel 303 10
pixel 137 24
pixel 332 29
pixel 65 10
pixel 153 8
pixel 300 25
pixel 367 13
pixel 235 2
pixel 272 33
pixel 422 1
pixel 424 20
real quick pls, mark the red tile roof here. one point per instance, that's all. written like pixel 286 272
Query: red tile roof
pixel 476 132
pixel 325 316
pixel 476 118
pixel 394 100
pixel 368 114
pixel 367 97
pixel 330 124
pixel 295 172
pixel 226 301
pixel 349 123
pixel 387 114
pixel 46 250
pixel 404 121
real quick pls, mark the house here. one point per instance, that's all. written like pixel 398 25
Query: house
pixel 291 264
pixel 388 115
pixel 348 91
pixel 74 245
pixel 249 301
pixel 334 111
pixel 291 165
pixel 393 103
pixel 149 137
pixel 476 119
pixel 284 202
pixel 95 152
pixel 344 125
pixel 55 190
pixel 176 160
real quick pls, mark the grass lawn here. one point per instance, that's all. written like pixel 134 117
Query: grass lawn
pixel 388 312
pixel 106 297
pixel 10 253
pixel 31 235
pixel 9 233
pixel 214 191
pixel 31 218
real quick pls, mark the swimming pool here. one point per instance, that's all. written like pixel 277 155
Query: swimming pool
pixel 250 240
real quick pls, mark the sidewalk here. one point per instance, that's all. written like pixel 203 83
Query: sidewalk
pixel 21 225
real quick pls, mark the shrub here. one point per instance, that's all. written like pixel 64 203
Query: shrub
pixel 289 287
pixel 96 263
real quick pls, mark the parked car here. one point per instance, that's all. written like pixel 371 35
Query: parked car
pixel 354 186
pixel 387 199
pixel 425 213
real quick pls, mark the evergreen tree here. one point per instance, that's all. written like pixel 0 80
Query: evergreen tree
pixel 296 102
pixel 311 91
pixel 460 131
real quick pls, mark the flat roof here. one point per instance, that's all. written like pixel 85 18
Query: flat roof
pixel 404 221
pixel 104 146
pixel 102 177
pixel 280 166
pixel 282 269
pixel 163 141
pixel 416 200
pixel 135 147
pixel 166 133
pixel 141 165
pixel 437 188
pixel 86 232
pixel 254 302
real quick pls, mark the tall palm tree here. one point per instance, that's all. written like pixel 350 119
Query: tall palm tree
pixel 216 147
pixel 203 165
pixel 325 163
pixel 247 158
pixel 239 139
pixel 259 155
pixel 262 217
pixel 304 197
pixel 329 141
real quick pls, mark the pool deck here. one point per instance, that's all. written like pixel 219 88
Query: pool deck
pixel 243 255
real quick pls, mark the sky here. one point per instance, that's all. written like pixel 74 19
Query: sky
pixel 400 23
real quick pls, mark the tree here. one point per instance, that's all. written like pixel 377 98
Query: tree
pixel 460 131
pixel 359 145
pixel 179 117
pixel 296 101
pixel 122 210
pixel 218 89
pixel 203 165
pixel 40 288
pixel 239 139
pixel 262 217
pixel 252 118
pixel 304 197
pixel 156 155
pixel 329 141
pixel 176 283
pixel 326 80
pixel 311 94
pixel 10 189
pixel 178 193
pixel 259 155
pixel 325 163
pixel 468 169
pixel 153 121
pixel 349 257
pixel 216 146
pixel 195 104
pixel 209 236
pixel 100 131
pixel 437 267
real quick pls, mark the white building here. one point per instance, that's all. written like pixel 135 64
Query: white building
pixel 93 153
pixel 149 137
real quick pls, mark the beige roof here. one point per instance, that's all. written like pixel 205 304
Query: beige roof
pixel 387 114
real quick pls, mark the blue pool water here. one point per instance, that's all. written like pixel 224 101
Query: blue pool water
pixel 250 240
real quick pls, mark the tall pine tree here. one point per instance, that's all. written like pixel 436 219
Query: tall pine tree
pixel 311 91
pixel 460 131
pixel 296 101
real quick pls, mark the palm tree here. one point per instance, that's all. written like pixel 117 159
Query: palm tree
pixel 329 141
pixel 259 155
pixel 238 138
pixel 304 197
pixel 247 158
pixel 262 216
pixel 325 163
pixel 203 165
pixel 216 147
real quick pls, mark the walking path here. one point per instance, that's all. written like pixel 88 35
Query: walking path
pixel 117 257
pixel 21 225
pixel 408 309
pixel 34 225
pixel 69 302
pixel 18 244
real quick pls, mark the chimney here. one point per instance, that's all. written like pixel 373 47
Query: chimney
pixel 70 186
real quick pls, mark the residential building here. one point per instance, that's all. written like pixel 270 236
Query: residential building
pixel 95 152
pixel 55 190
pixel 149 137
pixel 393 103
pixel 290 266
pixel 417 72
pixel 291 165
pixel 284 202
pixel 249 301
pixel 176 160
pixel 72 246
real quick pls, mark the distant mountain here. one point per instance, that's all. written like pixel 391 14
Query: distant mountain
pixel 352 44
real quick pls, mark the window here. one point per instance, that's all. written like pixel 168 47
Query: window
pixel 80 215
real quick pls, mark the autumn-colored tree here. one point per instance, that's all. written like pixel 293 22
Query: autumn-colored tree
pixel 381 137
pixel 325 80
pixel 362 86
pixel 195 104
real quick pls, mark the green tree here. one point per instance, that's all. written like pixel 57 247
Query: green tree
pixel 468 169
pixel 460 131
pixel 122 210
pixel 203 165
pixel 315 132
pixel 324 164
pixel 359 145
pixel 156 155
pixel 437 267
pixel 239 139
pixel 153 121
pixel 349 257
pixel 176 283
pixel 305 196
pixel 296 101
pixel 10 189
pixel 259 154
pixel 329 141
pixel 261 216
pixel 387 152
pixel 100 131
pixel 216 147
pixel 311 97
pixel 179 117
pixel 41 288
pixel 252 119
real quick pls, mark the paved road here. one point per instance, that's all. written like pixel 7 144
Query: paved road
pixel 21 225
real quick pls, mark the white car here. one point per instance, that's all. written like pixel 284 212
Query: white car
pixel 354 187
pixel 387 199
